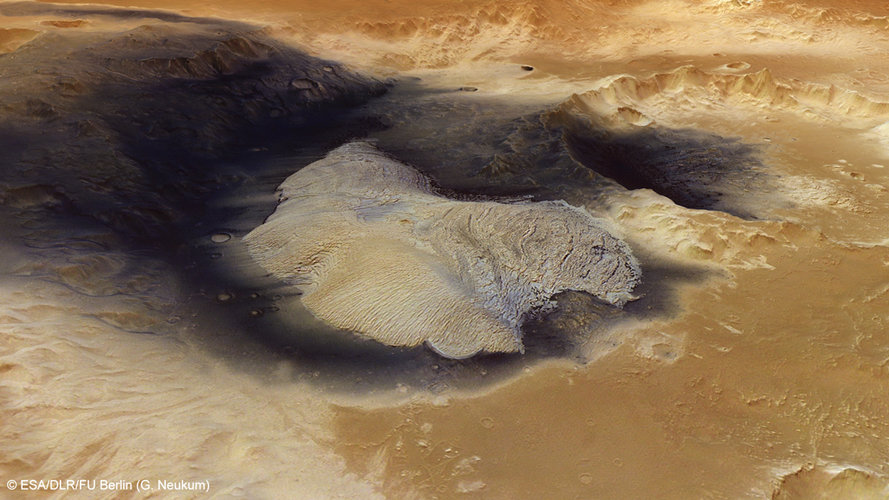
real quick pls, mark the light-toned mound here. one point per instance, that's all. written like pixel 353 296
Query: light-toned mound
pixel 375 250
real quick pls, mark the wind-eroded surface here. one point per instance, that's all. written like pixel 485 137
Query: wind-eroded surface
pixel 740 147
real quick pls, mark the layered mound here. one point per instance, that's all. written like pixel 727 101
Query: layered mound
pixel 375 250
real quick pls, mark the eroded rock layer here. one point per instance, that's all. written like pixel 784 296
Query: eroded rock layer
pixel 377 251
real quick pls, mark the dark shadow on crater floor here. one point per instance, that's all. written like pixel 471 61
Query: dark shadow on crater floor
pixel 137 126
pixel 166 139
pixel 581 317
pixel 694 169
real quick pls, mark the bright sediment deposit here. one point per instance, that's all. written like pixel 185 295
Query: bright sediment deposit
pixel 375 250
pixel 740 148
